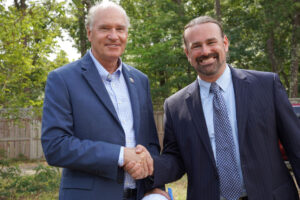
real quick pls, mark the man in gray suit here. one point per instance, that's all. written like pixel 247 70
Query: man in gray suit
pixel 96 110
pixel 223 129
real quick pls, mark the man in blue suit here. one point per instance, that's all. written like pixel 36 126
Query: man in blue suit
pixel 96 110
pixel 223 129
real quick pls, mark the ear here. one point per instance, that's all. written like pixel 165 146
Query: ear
pixel 226 43
pixel 186 51
pixel 88 33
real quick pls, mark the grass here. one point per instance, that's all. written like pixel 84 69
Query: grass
pixel 179 188
pixel 43 182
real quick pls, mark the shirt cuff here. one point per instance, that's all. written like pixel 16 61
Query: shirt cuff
pixel 121 157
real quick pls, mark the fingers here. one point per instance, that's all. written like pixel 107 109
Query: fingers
pixel 138 162
pixel 141 149
pixel 150 165
pixel 130 155
pixel 129 167
pixel 136 170
pixel 144 163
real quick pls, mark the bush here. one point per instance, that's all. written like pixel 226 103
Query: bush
pixel 14 185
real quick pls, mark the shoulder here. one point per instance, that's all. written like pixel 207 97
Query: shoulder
pixel 74 68
pixel 134 71
pixel 139 77
pixel 68 67
pixel 182 94
pixel 253 76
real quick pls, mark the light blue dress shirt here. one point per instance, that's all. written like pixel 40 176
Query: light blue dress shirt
pixel 225 82
pixel 118 92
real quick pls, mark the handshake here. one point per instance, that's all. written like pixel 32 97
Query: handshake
pixel 138 162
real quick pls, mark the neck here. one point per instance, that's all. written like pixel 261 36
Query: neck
pixel 110 66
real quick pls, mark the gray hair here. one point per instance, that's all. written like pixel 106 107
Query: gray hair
pixel 103 5
pixel 202 20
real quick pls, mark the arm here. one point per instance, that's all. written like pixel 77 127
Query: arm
pixel 61 145
pixel 169 166
pixel 288 126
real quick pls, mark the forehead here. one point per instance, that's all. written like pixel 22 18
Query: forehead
pixel 202 32
pixel 109 16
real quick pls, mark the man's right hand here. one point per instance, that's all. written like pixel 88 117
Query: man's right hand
pixel 138 162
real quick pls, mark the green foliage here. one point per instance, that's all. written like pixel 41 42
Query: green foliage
pixel 15 185
pixel 27 38
pixel 155 45
pixel 259 34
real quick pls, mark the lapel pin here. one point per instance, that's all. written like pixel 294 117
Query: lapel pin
pixel 131 80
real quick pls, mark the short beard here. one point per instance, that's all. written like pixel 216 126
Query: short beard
pixel 198 59
pixel 216 66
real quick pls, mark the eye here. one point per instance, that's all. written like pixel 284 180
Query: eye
pixel 121 29
pixel 196 46
pixel 103 28
pixel 211 42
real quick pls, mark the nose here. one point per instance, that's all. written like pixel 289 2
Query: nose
pixel 205 50
pixel 112 35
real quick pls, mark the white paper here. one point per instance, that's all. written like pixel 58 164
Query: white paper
pixel 154 197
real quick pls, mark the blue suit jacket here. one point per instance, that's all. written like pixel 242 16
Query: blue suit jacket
pixel 264 115
pixel 81 131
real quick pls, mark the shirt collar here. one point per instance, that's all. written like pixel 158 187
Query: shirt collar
pixel 223 81
pixel 104 74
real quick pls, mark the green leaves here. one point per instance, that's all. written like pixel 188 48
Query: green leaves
pixel 27 38
pixel 261 33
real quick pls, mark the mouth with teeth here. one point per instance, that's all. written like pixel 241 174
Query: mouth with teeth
pixel 112 45
pixel 207 60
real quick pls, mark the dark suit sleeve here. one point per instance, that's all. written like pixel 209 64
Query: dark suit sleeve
pixel 288 126
pixel 169 166
pixel 61 147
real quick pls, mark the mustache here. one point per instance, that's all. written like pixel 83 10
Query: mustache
pixel 200 58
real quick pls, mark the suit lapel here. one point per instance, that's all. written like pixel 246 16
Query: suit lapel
pixel 240 85
pixel 194 104
pixel 131 79
pixel 90 73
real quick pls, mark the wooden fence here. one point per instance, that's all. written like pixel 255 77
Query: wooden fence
pixel 23 137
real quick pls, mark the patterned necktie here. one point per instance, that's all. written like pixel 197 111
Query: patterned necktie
pixel 230 182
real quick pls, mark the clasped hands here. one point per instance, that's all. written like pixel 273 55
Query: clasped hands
pixel 138 162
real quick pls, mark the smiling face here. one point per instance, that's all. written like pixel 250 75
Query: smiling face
pixel 206 50
pixel 108 35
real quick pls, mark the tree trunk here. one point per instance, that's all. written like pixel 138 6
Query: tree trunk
pixel 20 5
pixel 295 53
pixel 271 53
pixel 82 33
pixel 218 10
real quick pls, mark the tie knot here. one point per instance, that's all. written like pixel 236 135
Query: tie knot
pixel 214 88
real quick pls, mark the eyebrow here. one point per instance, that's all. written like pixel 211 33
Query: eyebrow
pixel 109 25
pixel 207 40
pixel 211 39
